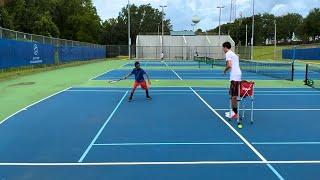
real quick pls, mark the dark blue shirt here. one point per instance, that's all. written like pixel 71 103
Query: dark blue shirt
pixel 138 74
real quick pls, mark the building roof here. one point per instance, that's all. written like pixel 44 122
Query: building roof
pixel 182 33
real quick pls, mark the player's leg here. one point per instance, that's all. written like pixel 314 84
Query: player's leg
pixel 145 87
pixel 135 85
pixel 234 88
pixel 235 105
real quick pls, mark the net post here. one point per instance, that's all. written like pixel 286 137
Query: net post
pixel 292 71
pixel 306 75
pixel 294 53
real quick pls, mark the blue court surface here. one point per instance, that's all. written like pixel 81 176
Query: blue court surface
pixel 95 133
pixel 201 74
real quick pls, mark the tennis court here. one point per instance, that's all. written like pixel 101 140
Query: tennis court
pixel 95 133
pixel 181 133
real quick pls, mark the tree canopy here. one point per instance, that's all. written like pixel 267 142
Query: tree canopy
pixel 306 29
pixel 144 19
pixel 79 20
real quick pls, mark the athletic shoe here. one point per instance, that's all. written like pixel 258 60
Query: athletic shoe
pixel 235 116
pixel 227 114
pixel 130 99
pixel 232 116
pixel 149 98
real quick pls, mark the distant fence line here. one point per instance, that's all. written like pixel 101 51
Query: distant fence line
pixel 18 49
pixel 174 52
pixel 21 36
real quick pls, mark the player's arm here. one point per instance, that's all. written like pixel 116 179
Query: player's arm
pixel 228 66
pixel 148 77
pixel 127 76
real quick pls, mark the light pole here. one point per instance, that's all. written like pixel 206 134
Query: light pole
pixel 129 30
pixel 246 35
pixel 162 7
pixel 231 10
pixel 275 39
pixel 252 37
pixel 220 9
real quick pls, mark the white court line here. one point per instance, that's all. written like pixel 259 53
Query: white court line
pixel 258 94
pixel 172 70
pixel 183 92
pixel 211 89
pixel 101 129
pixel 26 108
pixel 317 162
pixel 100 74
pixel 206 87
pixel 240 136
pixel 166 143
pixel 107 72
pixel 274 109
pixel 286 143
pixel 206 143
pixel 96 90
pixel 102 90
pixel 214 72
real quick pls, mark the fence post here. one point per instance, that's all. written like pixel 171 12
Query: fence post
pixel 119 51
pixel 16 35
pixel 294 53
pixel 306 75
pixel 1 32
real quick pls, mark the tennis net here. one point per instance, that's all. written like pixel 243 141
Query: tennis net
pixel 312 78
pixel 277 70
pixel 200 58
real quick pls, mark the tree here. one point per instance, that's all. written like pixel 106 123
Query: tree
pixel 264 28
pixel 267 29
pixel 199 32
pixel 144 19
pixel 287 25
pixel 6 19
pixel 77 20
pixel 311 25
pixel 45 26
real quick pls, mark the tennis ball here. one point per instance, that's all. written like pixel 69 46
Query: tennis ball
pixel 240 126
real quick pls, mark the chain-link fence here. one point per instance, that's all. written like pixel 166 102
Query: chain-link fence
pixel 119 50
pixel 20 36
pixel 18 49
pixel 186 52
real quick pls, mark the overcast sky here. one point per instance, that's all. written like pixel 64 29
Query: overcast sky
pixel 181 11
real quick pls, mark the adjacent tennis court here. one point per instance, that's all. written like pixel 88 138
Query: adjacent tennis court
pixel 182 133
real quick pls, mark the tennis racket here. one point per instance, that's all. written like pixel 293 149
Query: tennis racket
pixel 114 81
